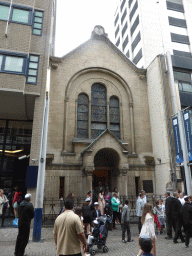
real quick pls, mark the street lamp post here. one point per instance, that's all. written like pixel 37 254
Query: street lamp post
pixel 41 176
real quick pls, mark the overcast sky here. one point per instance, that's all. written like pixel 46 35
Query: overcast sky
pixel 77 18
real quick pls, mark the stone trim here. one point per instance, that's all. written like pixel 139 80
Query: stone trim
pixel 64 167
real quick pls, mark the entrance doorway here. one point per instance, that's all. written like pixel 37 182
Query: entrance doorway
pixel 15 141
pixel 106 163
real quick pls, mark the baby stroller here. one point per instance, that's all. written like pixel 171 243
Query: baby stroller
pixel 100 240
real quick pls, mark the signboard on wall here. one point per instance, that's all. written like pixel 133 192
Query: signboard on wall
pixel 187 125
pixel 31 176
pixel 178 150
pixel 148 186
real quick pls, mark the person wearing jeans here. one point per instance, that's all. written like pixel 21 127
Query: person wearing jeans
pixel 125 223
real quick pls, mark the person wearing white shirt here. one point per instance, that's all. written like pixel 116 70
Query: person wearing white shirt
pixel 144 196
pixel 181 198
pixel 139 209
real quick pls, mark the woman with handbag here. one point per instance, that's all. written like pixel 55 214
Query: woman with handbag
pixel 4 204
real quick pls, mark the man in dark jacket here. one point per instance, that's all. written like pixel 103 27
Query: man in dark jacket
pixel 108 209
pixel 186 214
pixel 168 202
pixel 96 213
pixel 26 214
pixel 176 218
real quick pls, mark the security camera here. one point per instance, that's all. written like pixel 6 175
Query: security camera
pixel 23 157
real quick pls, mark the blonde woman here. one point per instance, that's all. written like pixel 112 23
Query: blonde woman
pixel 4 204
pixel 148 226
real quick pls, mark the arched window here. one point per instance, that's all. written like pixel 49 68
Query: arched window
pixel 82 116
pixel 114 116
pixel 98 110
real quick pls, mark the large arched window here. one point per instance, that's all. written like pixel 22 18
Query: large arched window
pixel 114 116
pixel 98 110
pixel 82 116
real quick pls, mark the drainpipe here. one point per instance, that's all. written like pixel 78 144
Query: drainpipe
pixel 7 25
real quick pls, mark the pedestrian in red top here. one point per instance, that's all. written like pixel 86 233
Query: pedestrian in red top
pixel 16 200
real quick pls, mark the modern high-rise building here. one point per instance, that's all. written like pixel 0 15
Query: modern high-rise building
pixel 27 32
pixel 147 28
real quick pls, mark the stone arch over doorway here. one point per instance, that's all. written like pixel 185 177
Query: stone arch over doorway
pixel 106 163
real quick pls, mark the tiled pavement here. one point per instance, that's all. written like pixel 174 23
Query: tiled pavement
pixel 116 247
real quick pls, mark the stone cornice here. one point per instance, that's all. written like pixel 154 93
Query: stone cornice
pixel 64 167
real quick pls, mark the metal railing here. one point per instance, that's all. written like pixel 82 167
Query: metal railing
pixel 52 207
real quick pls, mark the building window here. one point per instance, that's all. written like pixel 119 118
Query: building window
pixel 114 116
pixel 18 14
pixel 117 31
pixel 98 113
pixel 180 39
pixel 118 42
pixel 124 29
pixel 33 69
pixel 13 63
pixel 4 12
pixel 98 110
pixel 61 187
pixel 185 87
pixel 117 18
pixel 135 7
pixel 122 4
pixel 123 16
pixel 125 42
pixel 135 24
pixel 82 116
pixel 21 16
pixel 38 23
pixel 138 57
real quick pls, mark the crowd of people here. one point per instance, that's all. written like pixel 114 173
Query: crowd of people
pixel 74 224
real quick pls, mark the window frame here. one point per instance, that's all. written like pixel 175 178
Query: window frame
pixel 78 104
pixel 27 75
pixel 37 22
pixel 20 7
pixel 14 54
pixel 4 4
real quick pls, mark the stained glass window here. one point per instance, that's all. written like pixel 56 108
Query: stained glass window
pixel 114 116
pixel 98 110
pixel 82 116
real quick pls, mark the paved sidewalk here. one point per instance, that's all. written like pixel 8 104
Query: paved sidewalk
pixel 116 247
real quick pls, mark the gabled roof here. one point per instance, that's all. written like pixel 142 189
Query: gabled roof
pixel 101 135
pixel 105 39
